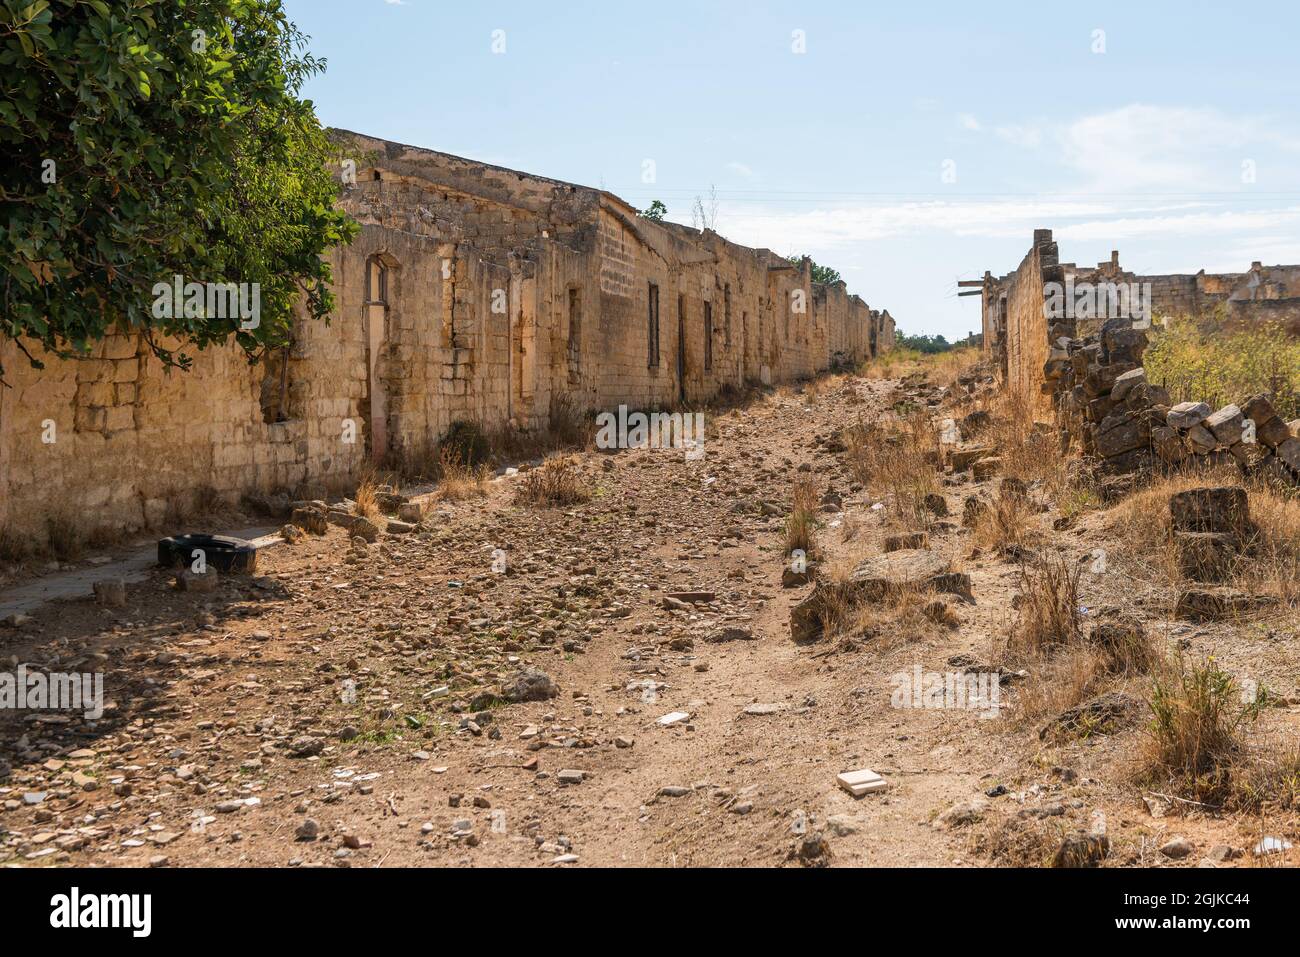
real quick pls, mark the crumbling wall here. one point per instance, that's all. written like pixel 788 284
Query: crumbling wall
pixel 471 293
pixel 1027 334
pixel 1088 374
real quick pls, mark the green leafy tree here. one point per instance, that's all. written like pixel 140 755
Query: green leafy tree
pixel 926 344
pixel 822 274
pixel 656 211
pixel 145 139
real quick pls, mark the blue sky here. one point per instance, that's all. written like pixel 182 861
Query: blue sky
pixel 1179 144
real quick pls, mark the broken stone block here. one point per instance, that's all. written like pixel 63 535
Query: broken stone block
pixel 962 456
pixel 412 512
pixel 1218 604
pixel 1201 439
pixel 395 527
pixel 1205 556
pixel 1215 509
pixel 111 592
pixel 807 618
pixel 1275 473
pixel 310 520
pixel 364 528
pixel 187 580
pixel 936 504
pixel 1121 342
pixel 1124 464
pixel 1119 434
pixel 1226 425
pixel 1103 714
pixel 972 509
pixel 1272 433
pixel 1168 444
pixel 894 543
pixel 793 579
pixel 1288 453
pixel 879 576
pixel 963 813
pixel 1259 409
pixel 1125 382
pixel 1187 414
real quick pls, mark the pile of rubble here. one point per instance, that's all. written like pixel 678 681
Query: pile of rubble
pixel 1104 398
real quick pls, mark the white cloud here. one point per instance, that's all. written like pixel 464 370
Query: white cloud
pixel 742 170
pixel 1028 137
pixel 1140 147
pixel 968 122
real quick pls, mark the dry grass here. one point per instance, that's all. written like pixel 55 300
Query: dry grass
pixel 898 462
pixel 1064 681
pixel 1196 733
pixel 801 524
pixel 1049 610
pixel 365 501
pixel 555 482
pixel 1269 779
pixel 1004 527
pixel 1029 449
pixel 1216 362
pixel 897 619
pixel 942 368
pixel 458 480
pixel 67 539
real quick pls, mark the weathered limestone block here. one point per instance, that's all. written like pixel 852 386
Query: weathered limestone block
pixel 1224 509
pixel 985 468
pixel 1185 415
pixel 1168 444
pixel 1273 432
pixel 1259 409
pixel 1121 433
pixel 1205 556
pixel 1121 342
pixel 1127 381
pixel 1226 424
pixel 1288 453
pixel 962 456
pixel 1201 439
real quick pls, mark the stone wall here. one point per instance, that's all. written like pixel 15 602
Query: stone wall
pixel 471 293
pixel 1087 373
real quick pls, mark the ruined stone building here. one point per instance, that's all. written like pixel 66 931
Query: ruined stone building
pixel 1083 369
pixel 472 293
pixel 1015 323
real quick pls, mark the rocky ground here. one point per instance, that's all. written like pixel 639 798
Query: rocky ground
pixel 625 692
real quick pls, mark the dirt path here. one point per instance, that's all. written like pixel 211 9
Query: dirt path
pixel 334 696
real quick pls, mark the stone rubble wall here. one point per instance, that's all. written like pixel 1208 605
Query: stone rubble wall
pixel 1094 385
pixel 506 294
